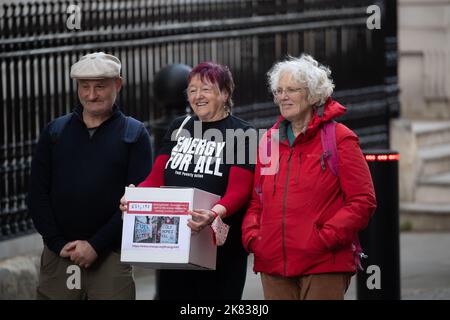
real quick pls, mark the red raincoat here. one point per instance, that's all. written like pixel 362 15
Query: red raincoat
pixel 305 220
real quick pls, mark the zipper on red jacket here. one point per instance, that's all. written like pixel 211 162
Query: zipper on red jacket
pixel 298 168
pixel 284 208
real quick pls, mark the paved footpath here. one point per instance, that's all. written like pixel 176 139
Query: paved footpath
pixel 425 271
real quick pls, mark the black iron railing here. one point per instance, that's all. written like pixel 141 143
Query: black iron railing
pixel 37 49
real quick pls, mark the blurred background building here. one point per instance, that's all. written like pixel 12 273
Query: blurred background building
pixel 422 134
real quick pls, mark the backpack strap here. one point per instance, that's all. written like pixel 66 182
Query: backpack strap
pixel 133 129
pixel 58 125
pixel 182 125
pixel 328 138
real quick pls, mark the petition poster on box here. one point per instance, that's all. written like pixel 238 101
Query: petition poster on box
pixel 156 225
pixel 155 232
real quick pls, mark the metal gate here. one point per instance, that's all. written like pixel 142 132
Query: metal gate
pixel 39 41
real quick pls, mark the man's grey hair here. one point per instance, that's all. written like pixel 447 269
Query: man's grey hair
pixel 306 71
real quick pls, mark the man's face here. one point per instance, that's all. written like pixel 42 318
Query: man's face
pixel 97 96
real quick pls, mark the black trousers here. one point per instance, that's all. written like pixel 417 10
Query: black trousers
pixel 225 283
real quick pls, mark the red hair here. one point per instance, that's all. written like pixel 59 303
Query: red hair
pixel 216 74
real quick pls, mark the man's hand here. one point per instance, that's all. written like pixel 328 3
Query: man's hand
pixel 83 254
pixel 123 202
pixel 65 251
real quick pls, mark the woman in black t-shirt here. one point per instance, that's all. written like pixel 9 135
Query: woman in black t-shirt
pixel 208 151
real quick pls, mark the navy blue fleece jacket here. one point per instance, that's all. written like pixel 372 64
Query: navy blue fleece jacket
pixel 76 182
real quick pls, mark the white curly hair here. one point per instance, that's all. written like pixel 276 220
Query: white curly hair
pixel 306 71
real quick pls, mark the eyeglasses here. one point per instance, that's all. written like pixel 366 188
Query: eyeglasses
pixel 289 91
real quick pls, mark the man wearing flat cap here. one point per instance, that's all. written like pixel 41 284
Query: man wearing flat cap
pixel 82 163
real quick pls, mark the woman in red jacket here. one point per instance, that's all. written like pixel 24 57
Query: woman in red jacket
pixel 303 220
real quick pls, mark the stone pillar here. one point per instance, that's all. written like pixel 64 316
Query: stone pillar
pixel 424 64
pixel 19 267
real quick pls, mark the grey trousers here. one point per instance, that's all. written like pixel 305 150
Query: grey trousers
pixel 106 279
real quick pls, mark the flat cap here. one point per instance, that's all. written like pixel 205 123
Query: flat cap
pixel 97 65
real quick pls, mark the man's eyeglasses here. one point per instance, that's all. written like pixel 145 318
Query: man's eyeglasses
pixel 289 91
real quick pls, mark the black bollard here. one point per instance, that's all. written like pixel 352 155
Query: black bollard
pixel 170 94
pixel 380 279
pixel 169 87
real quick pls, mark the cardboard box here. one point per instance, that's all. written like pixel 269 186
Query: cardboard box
pixel 155 232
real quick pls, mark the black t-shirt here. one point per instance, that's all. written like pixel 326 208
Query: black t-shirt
pixel 202 153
